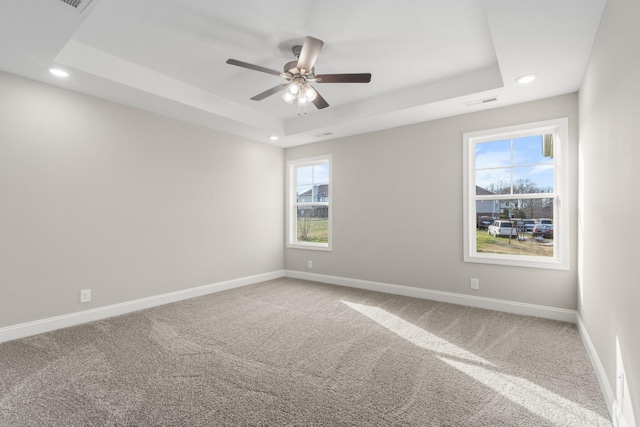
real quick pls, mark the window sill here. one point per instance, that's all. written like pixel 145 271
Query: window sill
pixel 310 246
pixel 529 262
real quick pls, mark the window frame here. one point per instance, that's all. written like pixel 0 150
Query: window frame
pixel 293 204
pixel 560 129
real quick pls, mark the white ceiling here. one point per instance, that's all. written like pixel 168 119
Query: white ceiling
pixel 428 58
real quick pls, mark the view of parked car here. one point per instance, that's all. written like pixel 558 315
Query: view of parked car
pixel 502 228
pixel 484 222
pixel 544 230
pixel 529 224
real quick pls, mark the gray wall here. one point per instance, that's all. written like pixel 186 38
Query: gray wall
pixel 127 203
pixel 609 295
pixel 132 204
pixel 397 209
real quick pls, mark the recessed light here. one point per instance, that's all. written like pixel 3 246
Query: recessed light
pixel 273 138
pixel 58 72
pixel 527 78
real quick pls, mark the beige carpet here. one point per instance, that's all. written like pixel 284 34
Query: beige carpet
pixel 295 353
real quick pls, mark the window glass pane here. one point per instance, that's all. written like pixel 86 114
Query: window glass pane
pixel 537 209
pixel 497 209
pixel 304 193
pixel 528 151
pixel 488 209
pixel 321 174
pixel 533 179
pixel 521 243
pixel 321 193
pixel 493 154
pixel 508 227
pixel 304 175
pixel 313 224
pixel 540 210
pixel 493 181
pixel 519 180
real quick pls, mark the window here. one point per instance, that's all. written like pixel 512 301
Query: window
pixel 517 176
pixel 309 213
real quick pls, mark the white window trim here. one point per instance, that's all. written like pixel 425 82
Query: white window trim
pixel 292 227
pixel 560 129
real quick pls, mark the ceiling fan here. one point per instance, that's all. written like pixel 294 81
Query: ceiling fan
pixel 300 73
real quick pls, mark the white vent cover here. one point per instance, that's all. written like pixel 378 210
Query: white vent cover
pixel 481 101
pixel 80 5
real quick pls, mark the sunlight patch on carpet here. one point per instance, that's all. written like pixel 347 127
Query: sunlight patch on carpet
pixel 415 334
pixel 538 400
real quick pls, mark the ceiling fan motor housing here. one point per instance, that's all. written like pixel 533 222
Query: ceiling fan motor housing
pixel 291 67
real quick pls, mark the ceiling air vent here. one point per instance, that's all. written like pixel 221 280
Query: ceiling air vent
pixel 79 5
pixel 481 101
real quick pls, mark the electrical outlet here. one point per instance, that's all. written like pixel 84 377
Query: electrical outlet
pixel 85 295
pixel 623 404
pixel 310 264
pixel 620 386
pixel 474 283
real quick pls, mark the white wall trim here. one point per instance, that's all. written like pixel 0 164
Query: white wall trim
pixel 45 325
pixel 449 297
pixel 50 324
pixel 607 391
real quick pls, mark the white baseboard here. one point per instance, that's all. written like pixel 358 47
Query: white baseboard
pixel 450 297
pixel 619 419
pixel 45 325
pixel 607 391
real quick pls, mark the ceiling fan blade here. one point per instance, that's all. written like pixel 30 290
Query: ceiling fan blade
pixel 266 93
pixel 309 53
pixel 319 101
pixel 253 67
pixel 343 78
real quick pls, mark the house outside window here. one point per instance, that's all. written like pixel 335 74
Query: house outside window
pixel 515 195
pixel 309 203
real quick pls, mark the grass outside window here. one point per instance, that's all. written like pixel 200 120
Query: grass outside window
pixel 486 243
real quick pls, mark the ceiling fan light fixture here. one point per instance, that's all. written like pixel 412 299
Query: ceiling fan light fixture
pixel 309 93
pixel 303 100
pixel 293 88
pixel 287 97
pixel 300 91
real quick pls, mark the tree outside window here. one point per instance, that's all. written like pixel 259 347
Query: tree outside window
pixel 309 215
pixel 518 178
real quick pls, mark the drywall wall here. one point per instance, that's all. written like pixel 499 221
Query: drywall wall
pixel 609 290
pixel 397 209
pixel 126 203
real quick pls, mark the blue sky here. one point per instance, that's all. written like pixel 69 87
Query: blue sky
pixel 498 160
pixel 310 175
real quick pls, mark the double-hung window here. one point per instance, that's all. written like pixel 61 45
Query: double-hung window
pixel 309 203
pixel 515 195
